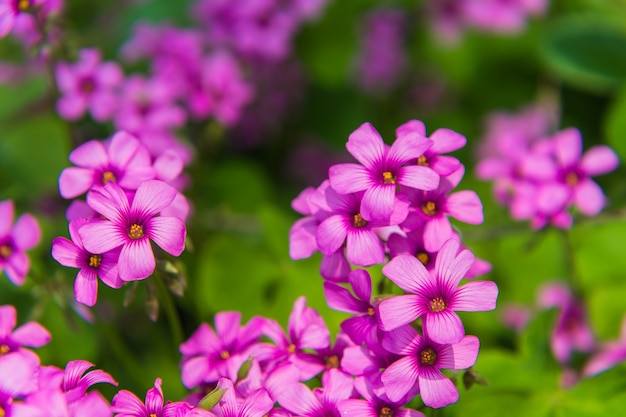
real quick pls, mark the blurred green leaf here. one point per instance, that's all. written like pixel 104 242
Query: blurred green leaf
pixel 615 124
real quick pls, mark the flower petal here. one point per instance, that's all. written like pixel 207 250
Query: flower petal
pixel 568 146
pixel 90 154
pixel 366 145
pixel 475 296
pixel 86 286
pixel 100 236
pixel 446 140
pixel 349 178
pixel 122 148
pixel 6 217
pixel 8 318
pixel 436 389
pixel 152 196
pixel 361 284
pixel 378 202
pixel 127 403
pixel 418 177
pixel 364 248
pixel 407 147
pixel 168 233
pixel 31 334
pixel 26 232
pixel 399 310
pixel 589 197
pixel 75 181
pixel 331 234
pixel 444 327
pixel 65 252
pixel 400 377
pixel 403 341
pixel 599 160
pixel 460 355
pixel 136 260
pixel 340 299
pixel 408 273
pixel 465 206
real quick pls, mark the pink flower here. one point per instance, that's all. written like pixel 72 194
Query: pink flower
pixel 608 355
pixel 421 362
pixel 127 404
pixel 436 296
pixel 256 404
pixel 132 226
pixel 15 239
pixel 29 334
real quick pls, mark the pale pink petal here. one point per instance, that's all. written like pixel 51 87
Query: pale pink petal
pixel 31 334
pixel 444 327
pixel 412 126
pixel 302 242
pixel 460 355
pixel 331 234
pixel 298 399
pixel 152 196
pixel 446 257
pixel 400 377
pixel 335 267
pixel 314 337
pixel 16 373
pixel 6 217
pixel 418 177
pixel 403 341
pixel 436 231
pixel 122 148
pixel 127 403
pixel 349 178
pixel 589 197
pixel 407 148
pixel 110 202
pixel 599 160
pixel 100 236
pixel 446 140
pixel 366 145
pixel 465 206
pixel 436 389
pixel 457 270
pixel 169 165
pixel 257 404
pixel 136 260
pixel 364 248
pixel 71 107
pixel 75 181
pixel 26 232
pixel 444 165
pixel 109 74
pixel 408 273
pixel 356 408
pixel 475 296
pixel 102 105
pixel 337 386
pixel 90 154
pixel 135 175
pixel 17 267
pixel 86 286
pixel 6 22
pixel 568 146
pixel 168 233
pixel 7 320
pixel 378 202
pixel 399 310
pixel 65 252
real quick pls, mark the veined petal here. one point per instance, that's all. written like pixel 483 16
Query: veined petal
pixel 340 299
pixel 399 310
pixel 408 147
pixel 378 202
pixel 436 389
pixel 349 178
pixel 314 336
pixel 65 252
pixel 331 234
pixel 136 260
pixel 110 202
pixel 444 165
pixel 443 327
pixel 599 160
pixel 74 370
pixel 299 399
pixel 356 408
pixel 26 232
pixel 465 206
pixel 361 284
pixel 90 154
pixel 418 177
pixel 168 233
pixel 452 276
pixel 337 386
pixel 122 148
pixel 400 377
pixel 127 403
pixel 154 399
pixel 86 286
pixel 100 236
pixel 366 145
pixel 152 196
pixel 408 273
pixel 364 248
pixel 75 181
pixel 436 231
pixel 475 296
pixel 460 355
pixel 403 341
pixel 446 140
pixel 256 405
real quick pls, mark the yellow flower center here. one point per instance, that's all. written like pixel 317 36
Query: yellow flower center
pixel 359 221
pixel 5 251
pixel 332 362
pixel 422 161
pixel 23 5
pixel 95 260
pixel 4 349
pixel 571 179
pixel 108 176
pixel 291 348
pixel 135 232
pixel 385 412
pixel 224 354
pixel 422 257
pixel 153 415
pixel 370 311
pixel 437 305
pixel 388 178
pixel 429 209
pixel 2 412
pixel 428 356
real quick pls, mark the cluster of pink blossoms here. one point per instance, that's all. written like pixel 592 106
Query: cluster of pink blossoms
pixel 540 176
pixel 131 202
pixel 393 207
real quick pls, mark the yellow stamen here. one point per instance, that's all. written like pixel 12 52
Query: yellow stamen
pixel 224 354
pixel 4 349
pixel 423 257
pixel 108 176
pixel 359 221
pixel 23 5
pixel 386 412
pixel 571 179
pixel 437 305
pixel 153 415
pixel 291 348
pixel 2 412
pixel 388 178
pixel 428 356
pixel 422 161
pixel 5 251
pixel 332 362
pixel 370 311
pixel 135 232
pixel 95 260
pixel 429 209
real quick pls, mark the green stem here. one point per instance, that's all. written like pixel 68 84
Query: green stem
pixel 570 263
pixel 167 301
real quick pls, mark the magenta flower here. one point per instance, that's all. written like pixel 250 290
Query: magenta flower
pixel 29 334
pixel 132 226
pixel 435 297
pixel 124 161
pixel 209 355
pixel 52 402
pixel 12 10
pixel 18 372
pixel 608 355
pixel 127 404
pixel 72 253
pixel 381 170
pixel 15 239
pixel 76 379
pixel 421 363
pixel 88 84
pixel 257 404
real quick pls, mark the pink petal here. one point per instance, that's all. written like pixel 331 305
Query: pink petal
pixel 16 373
pixel 90 154
pixel 31 334
pixel 7 320
pixel 154 398
pixel 418 177
pixel 169 165
pixel 302 242
pixel 152 196
pixel 340 299
pixel 6 217
pixel 335 267
pixel 568 146
pixel 26 232
pixel 403 341
pixel 446 140
pixel 127 403
pixel 136 260
pixel 227 326
pixel 366 145
pixel 71 106
pixel 457 270
pixel 364 248
pixel 444 327
pixel 460 355
pixel 194 370
pixel 356 408
pixel 475 296
pixel 65 252
pixel 109 74
pixel 599 160
pixel 400 377
pixel 361 284
pixel 408 273
pixel 444 165
pixel 100 236
pixel 203 340
pixel 589 197
pixel 445 258
pixel 110 202
pixel 257 404
pixel 436 389
pixel 412 126
pixel 331 234
pixel 75 181
pixel 17 267
pixel 337 386
pixel 86 287
pixel 122 148
pixel 436 231
pixel 465 206
pixel 399 310
pixel 168 233
pixel 298 399
pixel 349 178
pixel 407 148
pixel 378 202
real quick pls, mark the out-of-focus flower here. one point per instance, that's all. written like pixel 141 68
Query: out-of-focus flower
pixel 15 239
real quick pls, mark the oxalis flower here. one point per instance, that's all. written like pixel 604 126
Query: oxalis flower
pixel 132 226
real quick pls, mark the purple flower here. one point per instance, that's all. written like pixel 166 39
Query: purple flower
pixel 29 334
pixel 422 362
pixel 257 404
pixel 132 226
pixel 15 239
pixel 12 10
pixel 127 404
pixel 501 16
pixel 381 170
pixel 208 355
pixel 72 253
pixel 17 374
pixel 52 402
pixel 608 355
pixel 124 161
pixel 88 85
pixel 76 379
pixel 435 297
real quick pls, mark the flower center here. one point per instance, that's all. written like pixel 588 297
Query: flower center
pixel 332 362
pixel 428 356
pixel 437 305
pixel 388 178
pixel 422 257
pixel 385 412
pixel 4 349
pixel 291 348
pixel 2 412
pixel 23 5
pixel 422 161
pixel 370 311
pixel 429 209
pixel 359 221
pixel 95 260
pixel 87 85
pixel 224 354
pixel 153 415
pixel 571 179
pixel 5 251
pixel 108 176
pixel 135 232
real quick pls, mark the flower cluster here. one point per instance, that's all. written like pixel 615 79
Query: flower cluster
pixel 541 177
pixel 395 204
pixel 130 203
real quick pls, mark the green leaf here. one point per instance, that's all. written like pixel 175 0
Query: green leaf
pixel 589 52
pixel 208 401
pixel 615 124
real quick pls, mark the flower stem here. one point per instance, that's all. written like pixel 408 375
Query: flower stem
pixel 167 302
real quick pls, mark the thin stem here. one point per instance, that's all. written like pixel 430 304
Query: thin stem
pixel 167 302
pixel 570 263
